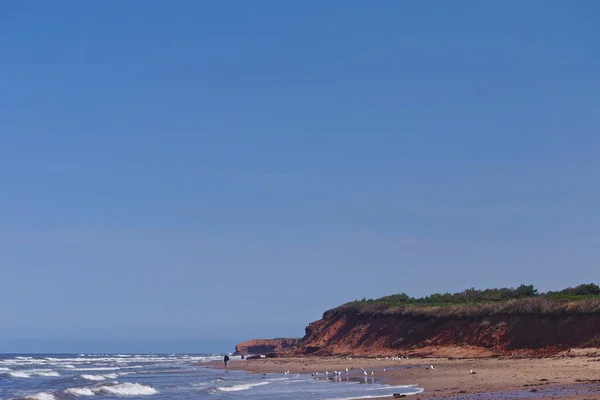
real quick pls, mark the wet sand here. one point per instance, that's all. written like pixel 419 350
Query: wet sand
pixel 574 375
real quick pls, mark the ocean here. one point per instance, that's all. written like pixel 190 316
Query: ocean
pixel 157 377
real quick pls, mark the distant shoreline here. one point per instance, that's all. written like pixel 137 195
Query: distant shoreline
pixel 574 375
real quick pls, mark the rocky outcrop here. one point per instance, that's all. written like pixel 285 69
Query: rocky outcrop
pixel 361 334
pixel 265 346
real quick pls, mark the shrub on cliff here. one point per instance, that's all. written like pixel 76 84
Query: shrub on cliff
pixel 587 289
pixel 524 299
pixel 471 295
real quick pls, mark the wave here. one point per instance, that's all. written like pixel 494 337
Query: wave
pixel 238 388
pixel 41 396
pixel 31 373
pixel 80 391
pixel 48 373
pixel 18 374
pixel 120 389
pixel 119 359
pixel 97 369
pixel 127 389
pixel 93 377
pixel 90 377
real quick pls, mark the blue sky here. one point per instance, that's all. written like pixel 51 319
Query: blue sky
pixel 180 176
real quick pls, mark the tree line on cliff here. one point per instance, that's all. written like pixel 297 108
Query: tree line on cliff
pixel 524 299
pixel 473 295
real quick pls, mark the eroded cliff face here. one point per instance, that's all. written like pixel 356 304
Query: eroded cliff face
pixel 265 346
pixel 350 333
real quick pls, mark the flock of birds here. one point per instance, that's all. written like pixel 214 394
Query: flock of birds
pixel 337 374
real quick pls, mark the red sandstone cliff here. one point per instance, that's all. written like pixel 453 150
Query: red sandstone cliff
pixel 349 333
pixel 264 346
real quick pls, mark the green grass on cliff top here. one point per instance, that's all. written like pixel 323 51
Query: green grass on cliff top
pixel 524 299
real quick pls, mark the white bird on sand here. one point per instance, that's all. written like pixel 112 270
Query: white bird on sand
pixel 326 373
pixel 365 372
pixel 473 372
pixel 431 367
pixel 372 372
pixel 287 372
pixel 384 370
pixel 346 370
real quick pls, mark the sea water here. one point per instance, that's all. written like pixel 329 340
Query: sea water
pixel 155 377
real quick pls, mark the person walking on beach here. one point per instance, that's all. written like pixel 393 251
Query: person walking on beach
pixel 226 360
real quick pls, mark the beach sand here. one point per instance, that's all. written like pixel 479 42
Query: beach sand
pixel 570 375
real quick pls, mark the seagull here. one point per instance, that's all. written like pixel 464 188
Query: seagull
pixel 473 372
pixel 384 370
pixel 286 372
pixel 371 372
pixel 365 372
pixel 326 373
pixel 431 367
pixel 346 370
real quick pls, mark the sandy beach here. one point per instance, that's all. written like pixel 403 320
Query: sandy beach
pixel 570 375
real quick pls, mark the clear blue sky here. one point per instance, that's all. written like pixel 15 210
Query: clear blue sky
pixel 180 176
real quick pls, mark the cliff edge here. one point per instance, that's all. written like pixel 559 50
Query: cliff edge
pixel 480 322
pixel 397 324
pixel 265 346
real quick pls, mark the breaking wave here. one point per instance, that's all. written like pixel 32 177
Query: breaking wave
pixel 98 369
pixel 41 396
pixel 31 373
pixel 238 388
pixel 120 389
pixel 80 391
pixel 126 389
pixel 90 377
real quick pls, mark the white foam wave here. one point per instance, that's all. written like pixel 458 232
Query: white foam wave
pixel 31 373
pixel 48 373
pixel 93 377
pixel 80 391
pixel 121 359
pixel 41 396
pixel 4 369
pixel 238 388
pixel 97 369
pixel 127 389
pixel 18 374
